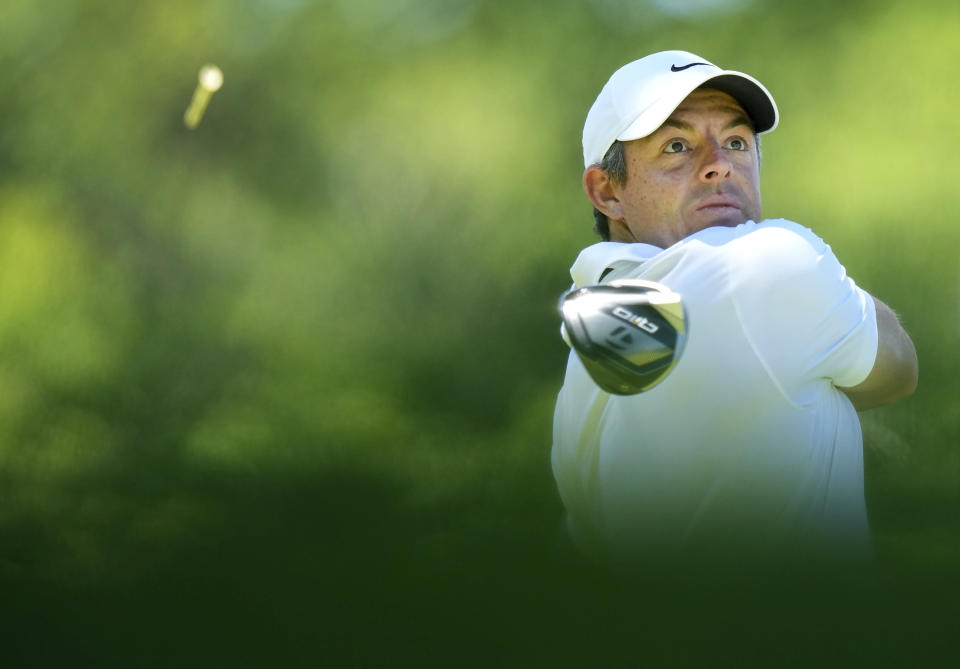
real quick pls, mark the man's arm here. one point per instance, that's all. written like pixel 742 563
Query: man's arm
pixel 894 374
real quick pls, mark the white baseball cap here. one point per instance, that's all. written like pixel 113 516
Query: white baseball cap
pixel 641 95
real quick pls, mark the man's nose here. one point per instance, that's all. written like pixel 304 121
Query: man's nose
pixel 716 166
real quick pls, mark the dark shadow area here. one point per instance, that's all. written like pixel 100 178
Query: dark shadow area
pixel 317 568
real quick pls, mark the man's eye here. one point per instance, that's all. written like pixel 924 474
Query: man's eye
pixel 737 144
pixel 676 146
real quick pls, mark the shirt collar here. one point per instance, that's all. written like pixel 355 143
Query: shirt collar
pixel 592 260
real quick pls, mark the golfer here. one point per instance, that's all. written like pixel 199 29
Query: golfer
pixel 752 443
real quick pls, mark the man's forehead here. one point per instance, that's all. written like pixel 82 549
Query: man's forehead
pixel 710 100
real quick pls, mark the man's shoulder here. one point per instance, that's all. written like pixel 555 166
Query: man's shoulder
pixel 769 243
pixel 777 245
pixel 766 232
pixel 785 231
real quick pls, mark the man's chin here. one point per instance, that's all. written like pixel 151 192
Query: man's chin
pixel 723 217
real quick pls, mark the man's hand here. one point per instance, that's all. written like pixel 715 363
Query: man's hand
pixel 894 374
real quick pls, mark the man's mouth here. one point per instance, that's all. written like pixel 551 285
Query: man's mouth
pixel 717 202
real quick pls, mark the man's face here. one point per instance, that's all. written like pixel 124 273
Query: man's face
pixel 699 169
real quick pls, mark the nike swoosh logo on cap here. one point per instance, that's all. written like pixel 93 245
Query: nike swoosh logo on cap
pixel 674 68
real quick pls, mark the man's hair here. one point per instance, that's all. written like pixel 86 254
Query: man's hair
pixel 615 165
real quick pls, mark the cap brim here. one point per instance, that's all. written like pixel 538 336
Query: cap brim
pixel 750 93
pixel 752 96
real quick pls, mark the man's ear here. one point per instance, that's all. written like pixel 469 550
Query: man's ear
pixel 602 192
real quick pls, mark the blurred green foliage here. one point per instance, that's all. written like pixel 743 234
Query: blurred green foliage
pixel 279 390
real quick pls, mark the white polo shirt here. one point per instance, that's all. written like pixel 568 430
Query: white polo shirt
pixel 748 439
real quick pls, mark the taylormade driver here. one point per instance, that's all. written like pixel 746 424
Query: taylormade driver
pixel 628 333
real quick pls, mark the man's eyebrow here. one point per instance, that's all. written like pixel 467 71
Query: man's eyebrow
pixel 739 119
pixel 676 123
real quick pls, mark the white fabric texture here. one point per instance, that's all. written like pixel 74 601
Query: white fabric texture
pixel 749 436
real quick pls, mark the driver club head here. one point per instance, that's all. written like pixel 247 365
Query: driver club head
pixel 628 333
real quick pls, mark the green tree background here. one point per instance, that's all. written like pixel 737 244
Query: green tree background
pixel 278 390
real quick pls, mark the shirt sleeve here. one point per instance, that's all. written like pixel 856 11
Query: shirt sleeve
pixel 806 319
